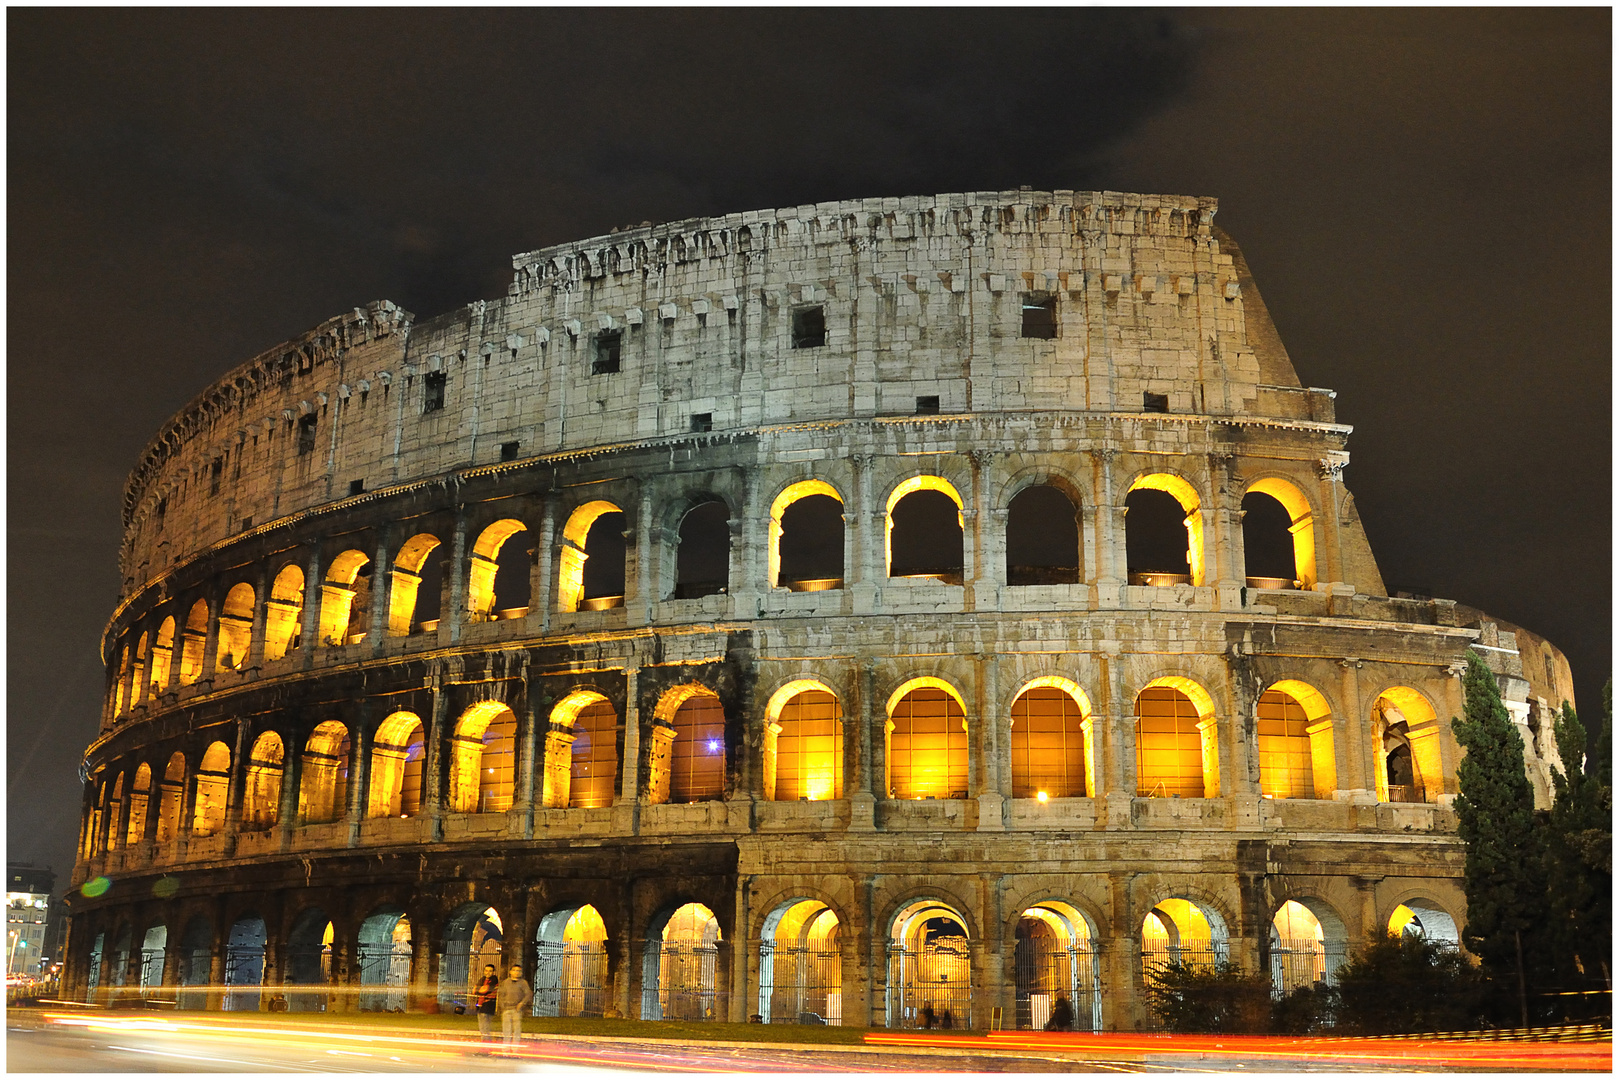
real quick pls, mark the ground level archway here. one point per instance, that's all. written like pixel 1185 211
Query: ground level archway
pixel 801 965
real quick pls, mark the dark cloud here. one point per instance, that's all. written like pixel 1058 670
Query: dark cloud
pixel 1423 196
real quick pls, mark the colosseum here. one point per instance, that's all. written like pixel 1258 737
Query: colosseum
pixel 814 615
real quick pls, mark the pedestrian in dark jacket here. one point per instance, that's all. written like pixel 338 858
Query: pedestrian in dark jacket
pixel 1062 1015
pixel 483 1001
pixel 510 999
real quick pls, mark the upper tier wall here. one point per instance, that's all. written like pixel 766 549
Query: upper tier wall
pixel 922 297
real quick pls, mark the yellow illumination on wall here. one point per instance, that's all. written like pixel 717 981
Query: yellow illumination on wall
pixel 803 754
pixel 1400 704
pixel 1187 496
pixel 910 487
pixel 139 796
pixel 481 764
pixel 1052 749
pixel 395 787
pixel 571 562
pixel 213 781
pixel 1162 765
pixel 803 489
pixel 926 738
pixel 193 642
pixel 174 780
pixel 337 597
pixel 283 612
pixel 581 752
pixel 1317 715
pixel 137 685
pixel 481 569
pixel 162 655
pixel 406 574
pixel 323 792
pixel 261 801
pixel 235 628
pixel 1302 528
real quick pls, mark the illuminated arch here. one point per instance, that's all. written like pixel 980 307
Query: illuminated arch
pixel 570 971
pixel 483 565
pixel 1303 524
pixel 689 752
pixel 1056 754
pixel 112 811
pixel 137 682
pixel 140 795
pixel 173 798
pixel 193 642
pixel 283 613
pixel 803 743
pixel 1163 760
pixel 1297 758
pixel 483 751
pixel 1403 720
pixel 323 792
pixel 121 683
pixel 407 580
pixel 791 494
pixel 162 656
pixel 398 753
pixel 930 964
pixel 1185 494
pixel 1419 916
pixel 925 741
pixel 1308 943
pixel 1183 930
pixel 679 965
pixel 571 561
pixel 581 752
pixel 911 487
pixel 213 783
pixel 261 800
pixel 337 614
pixel 235 628
pixel 801 963
pixel 1055 956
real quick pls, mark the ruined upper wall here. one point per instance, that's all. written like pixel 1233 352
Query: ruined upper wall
pixel 922 297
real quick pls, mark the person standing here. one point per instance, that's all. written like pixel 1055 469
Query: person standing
pixel 483 1001
pixel 510 998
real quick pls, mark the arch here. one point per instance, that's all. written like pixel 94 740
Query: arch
pixel 688 754
pixel 570 970
pixel 284 613
pixel 801 964
pixel 573 590
pixel 345 599
pixel 1308 944
pixel 1042 537
pixel 196 962
pixel 1181 930
pixel 173 798
pixel 137 681
pixel 397 756
pixel 384 951
pixel 120 683
pixel 1423 917
pixel 803 743
pixel 482 763
pixel 308 961
pixel 581 752
pixel 93 977
pixel 498 576
pixel 154 947
pixel 1177 740
pixel 680 967
pixel 925 740
pixel 1301 527
pixel 193 642
pixel 806 538
pixel 1144 541
pixel 703 556
pixel 140 796
pixel 929 966
pixel 244 965
pixel 1405 730
pixel 473 936
pixel 920 541
pixel 120 953
pixel 162 656
pixel 236 628
pixel 1053 753
pixel 1295 739
pixel 1055 958
pixel 408 606
pixel 261 801
pixel 213 785
pixel 112 813
pixel 323 793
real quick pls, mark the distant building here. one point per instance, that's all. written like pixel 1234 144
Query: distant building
pixel 28 915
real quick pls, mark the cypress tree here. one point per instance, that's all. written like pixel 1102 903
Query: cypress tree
pixel 1506 893
pixel 1579 865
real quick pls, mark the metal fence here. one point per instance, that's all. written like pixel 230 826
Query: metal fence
pixel 151 970
pixel 384 976
pixel 308 977
pixel 686 988
pixel 570 979
pixel 935 981
pixel 799 985
pixel 1046 968
pixel 1299 962
pixel 244 975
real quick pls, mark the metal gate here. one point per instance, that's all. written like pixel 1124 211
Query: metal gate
pixel 1046 969
pixel 570 979
pixel 1296 963
pixel 196 971
pixel 244 975
pixel 936 980
pixel 686 982
pixel 308 977
pixel 800 985
pixel 384 976
pixel 151 969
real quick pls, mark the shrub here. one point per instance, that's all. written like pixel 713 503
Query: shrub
pixel 1408 985
pixel 1200 999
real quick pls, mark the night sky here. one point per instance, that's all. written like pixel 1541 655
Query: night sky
pixel 1423 196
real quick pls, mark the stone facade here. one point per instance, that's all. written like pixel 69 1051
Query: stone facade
pixel 278 533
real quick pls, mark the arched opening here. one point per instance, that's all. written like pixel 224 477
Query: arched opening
pixel 483 760
pixel 498 575
pixel 1307 946
pixel 1278 536
pixel 196 963
pixel 590 564
pixel 284 613
pixel 153 948
pixel 803 744
pixel 418 582
pixel 193 643
pixel 1424 918
pixel 1406 733
pixel 162 655
pixel 1051 742
pixel 244 965
pixel 120 685
pixel 261 800
pixel 1042 537
pixel 703 559
pixel 93 977
pixel 309 962
pixel 324 793
pixel 688 747
pixel 384 959
pixel 120 960
pixel 806 538
pixel 1058 974
pixel 1182 931
pixel 112 813
pixel 926 742
pixel 801 965
pixel 581 752
pixel 213 784
pixel 173 798
pixel 137 681
pixel 140 795
pixel 1295 743
pixel 397 756
pixel 680 968
pixel 235 628
pixel 473 936
pixel 929 967
pixel 570 970
pixel 1163 531
pixel 924 530
pixel 1177 749
pixel 345 605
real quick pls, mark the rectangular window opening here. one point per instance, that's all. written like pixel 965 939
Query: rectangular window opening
pixel 1039 315
pixel 702 421
pixel 605 352
pixel 306 434
pixel 356 487
pixel 247 522
pixel 433 391
pixel 927 405
pixel 1154 402
pixel 215 471
pixel 508 451
pixel 809 327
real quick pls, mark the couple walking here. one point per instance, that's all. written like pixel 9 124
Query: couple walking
pixel 507 997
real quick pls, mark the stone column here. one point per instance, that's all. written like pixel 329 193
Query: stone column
pixel 453 611
pixel 1228 572
pixel 541 595
pixel 359 770
pixel 627 808
pixel 988 748
pixel 865 777
pixel 292 760
pixel 309 630
pixel 750 537
pixel 382 582
pixel 976 575
pixel 862 539
pixel 1357 757
pixel 1118 744
pixel 529 724
pixel 255 650
pixel 1108 532
pixel 437 738
pixel 1329 558
pixel 641 546
pixel 236 788
pixel 210 647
